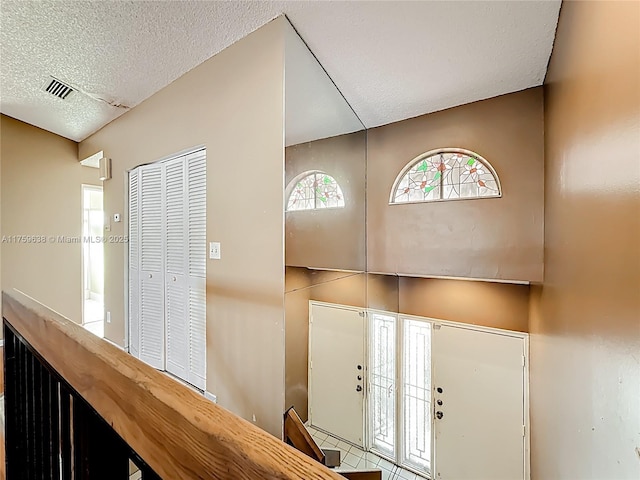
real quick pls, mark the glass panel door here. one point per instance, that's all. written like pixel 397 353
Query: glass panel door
pixel 416 395
pixel 382 383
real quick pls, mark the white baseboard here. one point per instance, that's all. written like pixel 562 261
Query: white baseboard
pixel 210 396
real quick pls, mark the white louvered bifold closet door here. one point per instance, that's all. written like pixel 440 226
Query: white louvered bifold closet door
pixel 152 324
pixel 196 169
pixel 167 266
pixel 134 265
pixel 176 220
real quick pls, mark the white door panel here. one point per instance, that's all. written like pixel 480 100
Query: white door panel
pixel 134 265
pixel 176 221
pixel 336 350
pixel 481 377
pixel 152 320
pixel 151 265
pixel 196 254
pixel 177 325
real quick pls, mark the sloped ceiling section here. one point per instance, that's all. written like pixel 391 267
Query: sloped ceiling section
pixel 391 60
pixel 314 107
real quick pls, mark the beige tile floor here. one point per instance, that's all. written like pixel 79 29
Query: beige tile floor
pixel 354 457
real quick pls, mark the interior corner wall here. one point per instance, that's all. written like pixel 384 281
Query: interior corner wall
pixel 383 292
pixel 233 105
pixel 585 326
pixel 42 197
pixel 492 238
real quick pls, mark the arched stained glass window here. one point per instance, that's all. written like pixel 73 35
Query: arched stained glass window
pixel 314 190
pixel 446 174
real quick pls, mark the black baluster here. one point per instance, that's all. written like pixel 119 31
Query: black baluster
pixel 100 454
pixel 65 432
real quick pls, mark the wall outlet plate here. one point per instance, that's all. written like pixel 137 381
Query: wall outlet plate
pixel 214 250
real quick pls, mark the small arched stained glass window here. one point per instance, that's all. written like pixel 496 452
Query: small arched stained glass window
pixel 447 174
pixel 314 190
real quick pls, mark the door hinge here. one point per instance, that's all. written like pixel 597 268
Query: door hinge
pixel 524 360
pixel 524 430
pixel 310 364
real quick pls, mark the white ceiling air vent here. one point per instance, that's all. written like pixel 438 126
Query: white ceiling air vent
pixel 57 88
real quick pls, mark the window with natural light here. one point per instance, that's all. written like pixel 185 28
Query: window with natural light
pixel 416 394
pixel 407 442
pixel 382 383
pixel 447 174
pixel 314 190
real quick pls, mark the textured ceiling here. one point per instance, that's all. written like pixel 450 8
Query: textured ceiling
pixel 391 60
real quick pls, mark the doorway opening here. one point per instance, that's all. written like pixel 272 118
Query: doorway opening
pixel 93 259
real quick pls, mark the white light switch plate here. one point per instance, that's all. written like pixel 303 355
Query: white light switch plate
pixel 214 250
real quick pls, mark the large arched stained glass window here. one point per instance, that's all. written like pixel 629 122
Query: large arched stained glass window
pixel 446 174
pixel 314 190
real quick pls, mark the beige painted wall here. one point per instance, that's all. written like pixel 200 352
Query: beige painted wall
pixel 329 238
pixel 497 305
pixel 232 104
pixel 497 238
pixel 348 290
pixel 42 195
pixel 585 327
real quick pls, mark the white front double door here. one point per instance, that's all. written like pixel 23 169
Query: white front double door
pixel 478 393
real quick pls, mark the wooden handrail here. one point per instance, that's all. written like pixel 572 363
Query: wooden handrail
pixel 177 432
pixel 296 435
